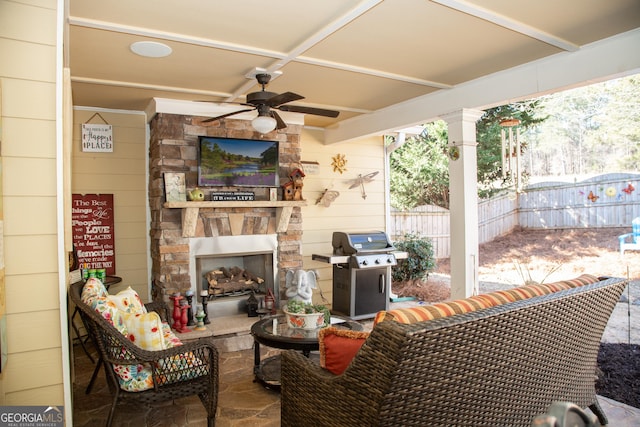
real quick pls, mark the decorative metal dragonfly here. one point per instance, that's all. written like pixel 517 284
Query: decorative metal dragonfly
pixel 361 181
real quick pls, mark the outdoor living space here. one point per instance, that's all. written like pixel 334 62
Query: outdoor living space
pixel 119 152
pixel 242 401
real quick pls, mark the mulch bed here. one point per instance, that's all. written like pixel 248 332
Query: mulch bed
pixel 619 373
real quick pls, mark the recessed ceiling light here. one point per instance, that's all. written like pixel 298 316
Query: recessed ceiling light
pixel 150 49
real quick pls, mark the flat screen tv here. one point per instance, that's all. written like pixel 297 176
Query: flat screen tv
pixel 234 162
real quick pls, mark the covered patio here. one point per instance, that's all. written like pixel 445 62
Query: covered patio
pixel 386 66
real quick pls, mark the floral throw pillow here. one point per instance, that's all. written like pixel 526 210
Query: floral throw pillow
pixel 110 312
pixel 128 301
pixel 93 289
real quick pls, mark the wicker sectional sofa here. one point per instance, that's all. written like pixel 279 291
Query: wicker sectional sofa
pixel 500 362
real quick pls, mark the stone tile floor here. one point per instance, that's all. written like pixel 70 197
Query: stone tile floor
pixel 242 402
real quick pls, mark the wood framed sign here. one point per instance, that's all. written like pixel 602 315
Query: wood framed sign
pixel 92 223
pixel 97 138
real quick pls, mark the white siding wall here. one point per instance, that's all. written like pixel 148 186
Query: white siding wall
pixel 123 174
pixel 33 374
pixel 349 212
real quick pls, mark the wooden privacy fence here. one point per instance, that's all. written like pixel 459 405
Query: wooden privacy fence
pixel 610 200
pixel 496 217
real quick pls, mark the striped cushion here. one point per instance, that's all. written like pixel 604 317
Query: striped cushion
pixel 478 302
pixel 434 311
pixel 585 279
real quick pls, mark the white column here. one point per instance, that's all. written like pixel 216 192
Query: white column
pixel 463 201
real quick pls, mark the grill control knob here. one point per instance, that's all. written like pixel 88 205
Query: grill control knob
pixel 389 260
pixel 364 262
pixel 377 261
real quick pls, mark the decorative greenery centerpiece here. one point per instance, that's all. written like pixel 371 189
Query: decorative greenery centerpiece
pixel 303 315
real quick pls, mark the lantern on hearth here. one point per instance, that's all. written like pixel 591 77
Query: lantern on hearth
pixel 252 305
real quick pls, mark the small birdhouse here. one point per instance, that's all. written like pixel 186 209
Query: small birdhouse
pixel 287 190
pixel 296 175
pixel 297 178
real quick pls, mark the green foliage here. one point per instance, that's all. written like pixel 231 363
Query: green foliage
pixel 420 170
pixel 420 167
pixel 420 262
pixel 299 307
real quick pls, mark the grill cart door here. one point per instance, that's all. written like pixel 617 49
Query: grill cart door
pixel 360 293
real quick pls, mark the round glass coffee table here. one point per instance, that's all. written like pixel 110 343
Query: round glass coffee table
pixel 273 331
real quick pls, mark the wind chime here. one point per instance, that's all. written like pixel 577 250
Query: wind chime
pixel 511 162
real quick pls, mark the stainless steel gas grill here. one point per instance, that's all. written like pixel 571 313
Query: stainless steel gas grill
pixel 361 272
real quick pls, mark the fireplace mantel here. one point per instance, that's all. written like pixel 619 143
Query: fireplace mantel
pixel 190 211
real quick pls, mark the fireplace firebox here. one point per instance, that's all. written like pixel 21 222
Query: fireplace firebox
pixel 230 267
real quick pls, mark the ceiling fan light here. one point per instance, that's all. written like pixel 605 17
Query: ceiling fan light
pixel 264 124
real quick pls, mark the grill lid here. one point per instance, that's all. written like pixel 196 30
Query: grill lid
pixel 358 243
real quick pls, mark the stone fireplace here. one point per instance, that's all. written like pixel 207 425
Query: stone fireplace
pixel 185 236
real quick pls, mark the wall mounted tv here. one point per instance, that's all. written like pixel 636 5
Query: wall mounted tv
pixel 237 162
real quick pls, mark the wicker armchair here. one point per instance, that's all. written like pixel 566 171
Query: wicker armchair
pixel 171 380
pixel 500 366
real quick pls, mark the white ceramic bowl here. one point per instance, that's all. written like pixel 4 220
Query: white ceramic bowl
pixel 304 321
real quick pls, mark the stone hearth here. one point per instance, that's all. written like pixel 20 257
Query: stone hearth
pixel 173 148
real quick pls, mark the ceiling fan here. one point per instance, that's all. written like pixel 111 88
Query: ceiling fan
pixel 267 102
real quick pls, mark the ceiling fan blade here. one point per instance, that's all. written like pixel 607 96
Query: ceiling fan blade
pixel 309 110
pixel 280 124
pixel 213 119
pixel 224 102
pixel 283 98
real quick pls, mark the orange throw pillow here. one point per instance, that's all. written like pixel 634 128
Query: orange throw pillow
pixel 338 347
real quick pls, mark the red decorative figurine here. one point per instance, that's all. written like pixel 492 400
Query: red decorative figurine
pixel 185 317
pixel 178 315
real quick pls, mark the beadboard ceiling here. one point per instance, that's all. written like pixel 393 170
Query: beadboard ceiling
pixel 369 59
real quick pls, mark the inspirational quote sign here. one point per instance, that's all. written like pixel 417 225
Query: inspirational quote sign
pixel 97 138
pixel 92 223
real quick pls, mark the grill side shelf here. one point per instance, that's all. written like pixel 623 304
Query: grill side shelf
pixel 400 254
pixel 344 259
pixel 331 259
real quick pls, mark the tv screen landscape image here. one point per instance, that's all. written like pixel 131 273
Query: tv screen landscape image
pixel 237 162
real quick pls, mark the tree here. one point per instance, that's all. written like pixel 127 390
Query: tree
pixel 591 129
pixel 420 168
